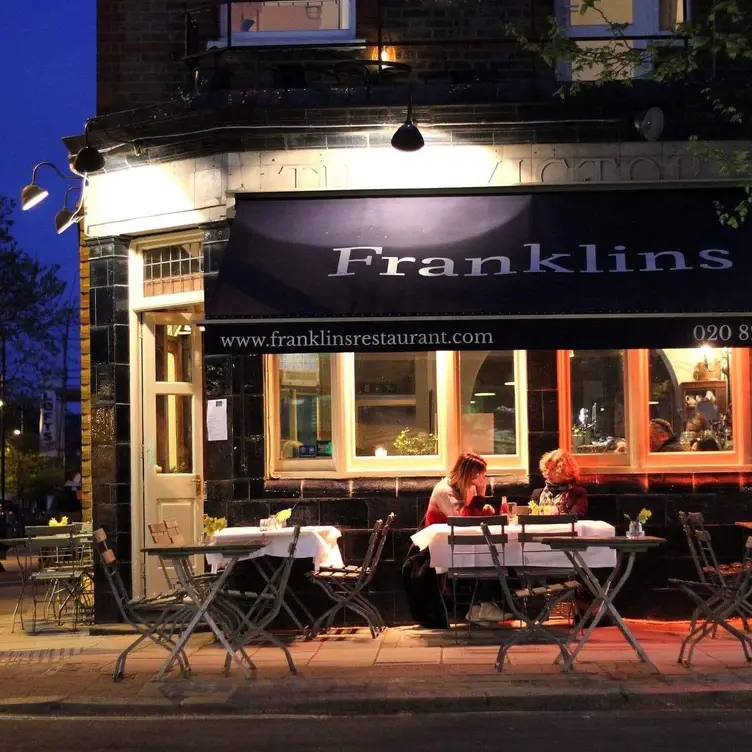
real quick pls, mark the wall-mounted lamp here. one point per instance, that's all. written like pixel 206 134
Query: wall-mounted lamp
pixel 66 218
pixel 407 137
pixel 33 193
pixel 88 159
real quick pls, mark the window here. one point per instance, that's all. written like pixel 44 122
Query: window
pixel 404 413
pixel 289 21
pixel 395 404
pixel 305 407
pixel 596 416
pixel 641 20
pixel 690 394
pixel 172 269
pixel 488 402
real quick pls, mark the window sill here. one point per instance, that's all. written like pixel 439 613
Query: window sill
pixel 330 42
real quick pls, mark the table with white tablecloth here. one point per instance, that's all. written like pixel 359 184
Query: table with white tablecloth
pixel 317 542
pixel 436 539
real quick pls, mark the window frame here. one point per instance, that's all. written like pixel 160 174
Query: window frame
pixel 345 464
pixel 639 458
pixel 294 38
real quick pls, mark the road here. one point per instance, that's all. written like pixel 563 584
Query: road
pixel 673 731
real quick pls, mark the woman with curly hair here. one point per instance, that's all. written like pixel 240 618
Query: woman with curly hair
pixel 561 474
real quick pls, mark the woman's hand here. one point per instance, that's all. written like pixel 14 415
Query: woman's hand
pixel 488 509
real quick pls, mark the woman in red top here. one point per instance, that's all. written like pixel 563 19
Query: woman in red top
pixel 461 493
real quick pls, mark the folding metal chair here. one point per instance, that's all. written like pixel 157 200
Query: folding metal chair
pixel 154 619
pixel 721 591
pixel 264 608
pixel 345 585
pixel 463 546
pixel 517 601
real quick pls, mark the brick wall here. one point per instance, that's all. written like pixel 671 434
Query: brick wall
pixel 141 43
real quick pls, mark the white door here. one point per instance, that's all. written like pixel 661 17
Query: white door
pixel 172 419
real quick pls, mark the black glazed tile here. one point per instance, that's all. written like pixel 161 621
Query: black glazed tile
pixel 120 298
pixel 123 385
pixel 304 512
pixel 379 509
pixel 541 370
pixel 538 444
pixel 103 425
pixel 550 406
pixel 124 567
pixel 99 342
pixel 690 502
pixel 535 411
pixel 253 375
pixel 344 513
pixel 123 518
pixel 98 276
pixel 245 513
pixel 217 376
pixel 254 450
pixel 117 270
pixel 104 384
pixel 122 463
pixel 283 488
pixel 102 494
pixel 215 508
pixel 122 423
pixel 416 486
pixel 314 488
pixel 239 459
pixel 218 460
pixel 102 306
pixel 103 464
pixel 256 483
pixel 632 504
pixel 603 507
pixel 241 490
pixel 374 487
pixel 122 346
pixel 106 610
pixel 354 544
pixel 670 482
pixel 105 516
pixel 253 415
pixel 401 543
pixel 622 483
pixel 123 493
pixel 219 491
pixel 719 483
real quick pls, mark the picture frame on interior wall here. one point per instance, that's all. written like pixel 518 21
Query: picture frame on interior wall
pixel 288 22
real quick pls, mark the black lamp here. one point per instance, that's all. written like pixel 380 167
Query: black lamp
pixel 33 193
pixel 88 159
pixel 407 137
pixel 66 218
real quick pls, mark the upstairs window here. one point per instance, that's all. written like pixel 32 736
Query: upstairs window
pixel 288 21
pixel 641 23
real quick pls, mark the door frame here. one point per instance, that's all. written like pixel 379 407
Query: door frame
pixel 138 305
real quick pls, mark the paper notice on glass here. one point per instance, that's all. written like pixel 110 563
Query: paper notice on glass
pixel 216 420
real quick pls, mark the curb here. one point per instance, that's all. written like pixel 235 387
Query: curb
pixel 261 704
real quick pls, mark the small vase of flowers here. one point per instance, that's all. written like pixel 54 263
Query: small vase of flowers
pixel 636 527
pixel 212 525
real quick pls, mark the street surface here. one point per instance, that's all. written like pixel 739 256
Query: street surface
pixel 671 731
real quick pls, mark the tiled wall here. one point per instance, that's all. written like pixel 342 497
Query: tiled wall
pixel 110 407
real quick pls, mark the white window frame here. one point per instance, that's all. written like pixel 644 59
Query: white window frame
pixel 344 463
pixel 646 23
pixel 639 458
pixel 260 38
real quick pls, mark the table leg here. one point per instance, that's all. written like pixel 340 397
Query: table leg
pixel 605 596
pixel 203 600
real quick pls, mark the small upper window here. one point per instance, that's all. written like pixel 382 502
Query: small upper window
pixel 172 269
pixel 289 21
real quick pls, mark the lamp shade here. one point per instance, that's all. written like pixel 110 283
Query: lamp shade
pixel 63 220
pixel 88 160
pixel 32 195
pixel 407 137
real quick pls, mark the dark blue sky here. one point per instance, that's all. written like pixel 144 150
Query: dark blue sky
pixel 48 59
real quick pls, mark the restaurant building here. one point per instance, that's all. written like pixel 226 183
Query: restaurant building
pixel 279 308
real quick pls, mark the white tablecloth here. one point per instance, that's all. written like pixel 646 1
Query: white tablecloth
pixel 318 542
pixel 436 537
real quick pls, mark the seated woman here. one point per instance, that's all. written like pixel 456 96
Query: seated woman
pixel 461 493
pixel 561 474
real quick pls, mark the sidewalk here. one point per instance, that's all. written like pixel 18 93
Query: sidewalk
pixel 405 670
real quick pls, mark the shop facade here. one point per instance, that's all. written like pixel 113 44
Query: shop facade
pixel 327 329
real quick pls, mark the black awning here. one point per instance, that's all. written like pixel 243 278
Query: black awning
pixel 577 269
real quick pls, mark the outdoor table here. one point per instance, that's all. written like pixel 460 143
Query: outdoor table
pixel 317 542
pixel 204 597
pixel 436 539
pixel 626 549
